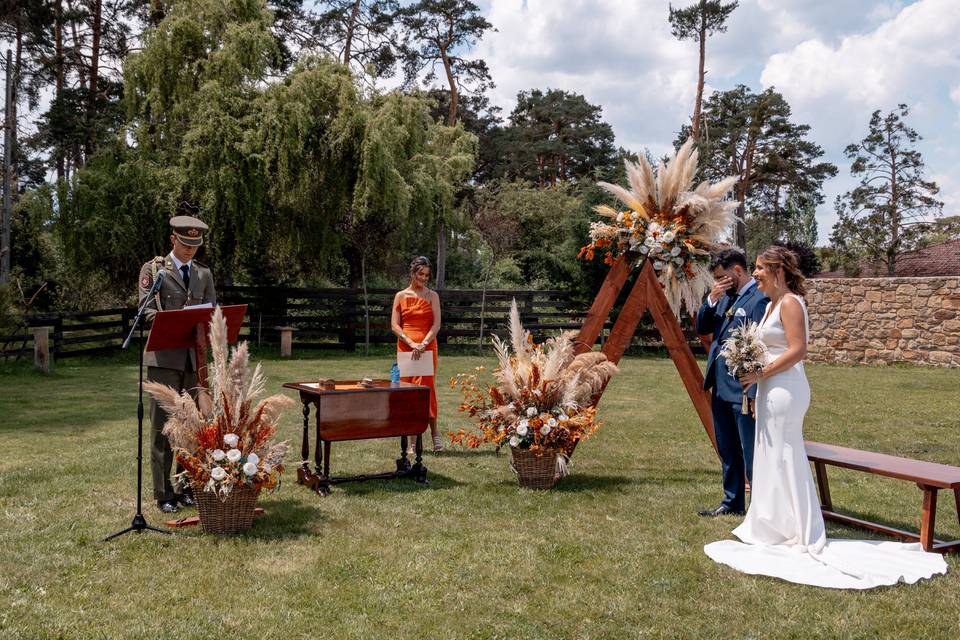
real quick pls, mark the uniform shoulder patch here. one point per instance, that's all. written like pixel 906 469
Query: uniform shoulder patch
pixel 145 281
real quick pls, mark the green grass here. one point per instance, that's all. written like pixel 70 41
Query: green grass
pixel 613 551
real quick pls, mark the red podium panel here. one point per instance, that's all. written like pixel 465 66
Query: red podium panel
pixel 188 329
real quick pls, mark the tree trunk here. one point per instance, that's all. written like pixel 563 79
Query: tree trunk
pixel 483 305
pixel 350 28
pixel 9 124
pixel 454 95
pixel 894 214
pixel 366 306
pixel 441 256
pixel 695 130
pixel 94 76
pixel 58 66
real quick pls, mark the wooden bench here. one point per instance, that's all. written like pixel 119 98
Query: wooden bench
pixel 929 476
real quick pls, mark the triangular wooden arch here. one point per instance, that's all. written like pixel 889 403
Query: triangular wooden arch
pixel 647 293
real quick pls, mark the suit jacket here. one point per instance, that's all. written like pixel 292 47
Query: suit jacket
pixel 717 321
pixel 175 295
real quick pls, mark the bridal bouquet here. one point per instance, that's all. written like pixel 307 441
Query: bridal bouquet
pixel 541 396
pixel 668 222
pixel 745 353
pixel 228 445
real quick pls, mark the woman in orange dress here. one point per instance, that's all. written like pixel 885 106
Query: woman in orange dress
pixel 415 321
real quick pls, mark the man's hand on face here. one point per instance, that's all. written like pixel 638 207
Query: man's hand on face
pixel 720 288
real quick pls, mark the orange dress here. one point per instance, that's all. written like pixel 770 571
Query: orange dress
pixel 416 319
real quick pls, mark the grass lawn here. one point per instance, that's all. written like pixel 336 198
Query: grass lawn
pixel 613 551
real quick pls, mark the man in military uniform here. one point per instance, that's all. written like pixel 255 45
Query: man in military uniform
pixel 186 282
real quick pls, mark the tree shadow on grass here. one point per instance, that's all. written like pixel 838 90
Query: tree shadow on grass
pixel 583 482
pixel 845 531
pixel 466 453
pixel 435 481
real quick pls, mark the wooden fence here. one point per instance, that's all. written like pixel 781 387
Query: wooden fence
pixel 341 319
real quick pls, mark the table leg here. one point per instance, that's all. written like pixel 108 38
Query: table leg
pixel 823 485
pixel 326 461
pixel 929 518
pixel 419 470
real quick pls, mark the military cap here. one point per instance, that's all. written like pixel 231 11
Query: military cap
pixel 189 230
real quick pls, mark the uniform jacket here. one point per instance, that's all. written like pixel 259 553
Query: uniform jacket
pixel 751 305
pixel 174 295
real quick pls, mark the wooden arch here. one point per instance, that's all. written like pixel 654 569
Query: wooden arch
pixel 647 293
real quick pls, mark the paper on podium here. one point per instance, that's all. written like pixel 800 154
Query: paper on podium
pixel 205 305
pixel 410 367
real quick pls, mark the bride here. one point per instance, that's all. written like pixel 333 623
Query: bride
pixel 783 534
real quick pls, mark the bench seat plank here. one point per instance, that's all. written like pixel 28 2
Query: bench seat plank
pixel 930 474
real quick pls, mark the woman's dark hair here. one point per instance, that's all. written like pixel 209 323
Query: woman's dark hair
pixel 417 263
pixel 781 258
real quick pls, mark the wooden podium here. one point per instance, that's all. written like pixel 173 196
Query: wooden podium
pixel 188 329
pixel 647 293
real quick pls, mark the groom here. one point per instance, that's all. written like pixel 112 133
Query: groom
pixel 733 301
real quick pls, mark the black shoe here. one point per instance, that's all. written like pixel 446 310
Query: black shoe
pixel 168 506
pixel 186 498
pixel 722 510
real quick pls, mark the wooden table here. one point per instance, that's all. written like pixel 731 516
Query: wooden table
pixel 347 411
pixel 930 477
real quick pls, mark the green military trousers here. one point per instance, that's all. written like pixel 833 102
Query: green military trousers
pixel 161 455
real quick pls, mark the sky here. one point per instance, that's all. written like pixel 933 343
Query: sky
pixel 835 61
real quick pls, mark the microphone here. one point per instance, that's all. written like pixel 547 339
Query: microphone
pixel 157 282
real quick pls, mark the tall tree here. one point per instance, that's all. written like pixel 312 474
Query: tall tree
pixel 556 136
pixel 751 135
pixel 890 209
pixel 437 32
pixel 362 34
pixel 697 22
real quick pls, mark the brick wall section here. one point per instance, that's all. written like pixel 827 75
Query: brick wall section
pixel 883 320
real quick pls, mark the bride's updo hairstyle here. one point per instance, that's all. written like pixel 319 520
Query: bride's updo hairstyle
pixel 785 261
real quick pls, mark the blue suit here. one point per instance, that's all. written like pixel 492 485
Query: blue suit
pixel 733 430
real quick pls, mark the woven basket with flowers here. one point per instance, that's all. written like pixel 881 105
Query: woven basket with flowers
pixel 225 451
pixel 539 402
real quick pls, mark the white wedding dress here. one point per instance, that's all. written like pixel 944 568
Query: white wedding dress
pixel 783 533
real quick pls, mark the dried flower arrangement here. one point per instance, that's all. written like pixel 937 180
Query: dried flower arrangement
pixel 229 445
pixel 667 223
pixel 745 353
pixel 542 396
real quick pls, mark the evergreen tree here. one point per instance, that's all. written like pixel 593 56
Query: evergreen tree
pixel 890 210
pixel 697 22
pixel 751 136
pixel 556 136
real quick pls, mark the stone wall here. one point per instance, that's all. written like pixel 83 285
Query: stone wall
pixel 883 320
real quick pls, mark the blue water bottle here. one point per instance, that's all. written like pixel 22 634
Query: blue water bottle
pixel 395 374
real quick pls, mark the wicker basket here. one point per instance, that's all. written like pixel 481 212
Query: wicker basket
pixel 539 470
pixel 226 516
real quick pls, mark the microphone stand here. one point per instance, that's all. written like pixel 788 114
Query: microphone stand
pixel 139 522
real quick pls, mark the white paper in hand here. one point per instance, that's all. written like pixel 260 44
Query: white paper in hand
pixel 410 367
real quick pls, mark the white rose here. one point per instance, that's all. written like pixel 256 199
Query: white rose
pixel 675 251
pixel 678 261
pixel 634 215
pixel 522 430
pixel 563 417
pixel 218 474
pixel 231 440
pixel 531 411
pixel 523 423
pixel 234 455
pixel 650 241
pixel 669 236
pixel 544 430
pixel 620 217
pixel 254 458
pixel 552 422
pixel 654 226
pixel 657 265
pixel 514 441
pixel 644 249
pixel 250 468
pixel 218 455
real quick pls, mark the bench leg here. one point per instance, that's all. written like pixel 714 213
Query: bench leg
pixel 823 486
pixel 929 516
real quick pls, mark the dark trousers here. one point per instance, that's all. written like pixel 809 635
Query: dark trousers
pixel 161 455
pixel 734 432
